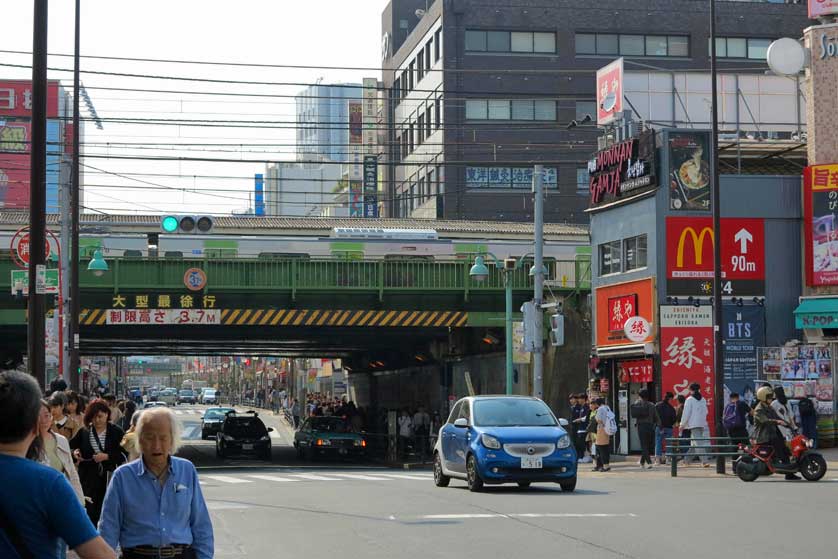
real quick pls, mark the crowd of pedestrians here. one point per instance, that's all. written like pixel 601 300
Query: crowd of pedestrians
pixel 63 461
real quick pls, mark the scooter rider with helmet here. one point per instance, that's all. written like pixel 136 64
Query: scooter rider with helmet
pixel 766 432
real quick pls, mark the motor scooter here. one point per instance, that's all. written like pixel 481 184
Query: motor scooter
pixel 758 461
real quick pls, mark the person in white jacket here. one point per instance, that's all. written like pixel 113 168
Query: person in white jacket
pixel 694 418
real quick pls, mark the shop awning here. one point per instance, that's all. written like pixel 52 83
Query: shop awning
pixel 626 350
pixel 817 312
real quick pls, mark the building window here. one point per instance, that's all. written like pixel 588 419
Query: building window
pixel 428 120
pixel 420 129
pixel 432 186
pixel 583 178
pixel 585 108
pixel 411 72
pixel 610 258
pixel 421 199
pixel 507 177
pixel 420 67
pixel 635 252
pixel 438 113
pixel 437 44
pixel 739 47
pixel 518 42
pixel 632 45
pixel 428 48
pixel 410 145
pixel 397 87
pixel 511 109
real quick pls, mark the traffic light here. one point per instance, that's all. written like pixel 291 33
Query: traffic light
pixel 557 330
pixel 187 224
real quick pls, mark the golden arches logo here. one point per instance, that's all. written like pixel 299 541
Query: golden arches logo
pixel 698 244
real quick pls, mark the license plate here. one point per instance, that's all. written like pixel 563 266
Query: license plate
pixel 247 447
pixel 531 462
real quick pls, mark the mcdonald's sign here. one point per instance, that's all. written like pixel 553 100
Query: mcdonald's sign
pixel 689 256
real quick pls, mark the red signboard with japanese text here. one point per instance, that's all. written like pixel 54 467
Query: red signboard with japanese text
pixel 609 92
pixel 687 352
pixel 636 297
pixel 638 370
pixel 16 98
pixel 689 256
pixel 820 206
pixel 14 164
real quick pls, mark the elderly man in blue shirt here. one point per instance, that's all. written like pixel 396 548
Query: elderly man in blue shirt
pixel 154 507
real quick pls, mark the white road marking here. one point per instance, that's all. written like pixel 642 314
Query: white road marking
pixel 313 477
pixel 414 477
pixel 526 515
pixel 228 479
pixel 178 412
pixel 275 435
pixel 362 477
pixel 271 478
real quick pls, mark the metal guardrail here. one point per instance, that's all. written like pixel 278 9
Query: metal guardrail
pixel 677 449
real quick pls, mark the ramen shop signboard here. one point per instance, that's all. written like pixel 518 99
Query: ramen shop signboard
pixel 623 170
pixel 821 226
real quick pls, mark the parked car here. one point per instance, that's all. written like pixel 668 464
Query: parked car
pixel 209 396
pixel 168 396
pixel 152 395
pixel 243 434
pixel 504 439
pixel 211 421
pixel 186 396
pixel 327 435
pixel 148 405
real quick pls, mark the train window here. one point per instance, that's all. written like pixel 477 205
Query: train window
pixel 133 253
pixel 173 254
pixel 283 256
pixel 410 257
pixel 221 252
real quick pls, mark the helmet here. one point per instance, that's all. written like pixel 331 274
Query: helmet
pixel 764 393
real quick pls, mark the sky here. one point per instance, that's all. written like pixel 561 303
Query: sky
pixel 336 33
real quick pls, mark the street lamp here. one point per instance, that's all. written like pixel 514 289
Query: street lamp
pixel 97 264
pixel 480 272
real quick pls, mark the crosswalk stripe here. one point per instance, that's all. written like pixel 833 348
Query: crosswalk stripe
pixel 228 479
pixel 313 477
pixel 271 478
pixel 362 477
pixel 178 412
pixel 408 476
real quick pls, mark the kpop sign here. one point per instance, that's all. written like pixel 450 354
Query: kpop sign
pixel 820 201
pixel 689 256
pixel 687 352
pixel 820 8
pixel 623 169
pixel 161 317
pixel 609 92
pixel 618 303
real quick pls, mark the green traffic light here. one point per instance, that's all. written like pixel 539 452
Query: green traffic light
pixel 169 224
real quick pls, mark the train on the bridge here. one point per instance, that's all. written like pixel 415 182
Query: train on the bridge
pixel 355 243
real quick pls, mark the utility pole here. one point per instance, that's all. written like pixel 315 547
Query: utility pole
pixel 37 196
pixel 718 339
pixel 538 277
pixel 75 304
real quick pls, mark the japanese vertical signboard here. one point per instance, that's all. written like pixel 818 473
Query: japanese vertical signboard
pixel 370 186
pixel 356 199
pixel 609 92
pixel 356 122
pixel 687 352
pixel 370 116
pixel 616 304
pixel 689 170
pixel 820 203
pixel 689 256
pixel 744 332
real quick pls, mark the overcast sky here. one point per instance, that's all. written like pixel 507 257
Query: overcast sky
pixel 341 33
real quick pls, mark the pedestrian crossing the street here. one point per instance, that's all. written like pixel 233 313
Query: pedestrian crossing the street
pixel 284 477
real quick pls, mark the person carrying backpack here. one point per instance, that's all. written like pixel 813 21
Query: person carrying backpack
pixel 606 428
pixel 735 419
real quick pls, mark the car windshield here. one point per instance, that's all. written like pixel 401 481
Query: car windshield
pixel 186 393
pixel 331 424
pixel 217 413
pixel 512 412
pixel 244 427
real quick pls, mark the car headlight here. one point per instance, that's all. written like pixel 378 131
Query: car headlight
pixel 490 442
pixel 564 442
pixel 360 442
pixel 265 438
pixel 229 438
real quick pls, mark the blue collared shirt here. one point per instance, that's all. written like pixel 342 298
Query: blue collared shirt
pixel 138 510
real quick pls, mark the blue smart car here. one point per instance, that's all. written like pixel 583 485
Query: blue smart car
pixel 504 439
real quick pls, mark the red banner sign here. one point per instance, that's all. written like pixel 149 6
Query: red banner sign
pixel 687 352
pixel 621 309
pixel 16 99
pixel 689 255
pixel 820 201
pixel 639 370
pixel 609 92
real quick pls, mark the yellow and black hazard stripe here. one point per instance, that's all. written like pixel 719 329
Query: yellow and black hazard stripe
pixel 320 317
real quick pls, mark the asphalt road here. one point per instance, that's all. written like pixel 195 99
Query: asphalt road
pixel 294 509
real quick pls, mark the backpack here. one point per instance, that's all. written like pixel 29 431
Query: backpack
pixel 610 425
pixel 806 407
pixel 639 410
pixel 732 419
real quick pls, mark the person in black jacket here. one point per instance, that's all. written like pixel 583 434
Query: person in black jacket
pixel 579 425
pixel 96 446
pixel 667 416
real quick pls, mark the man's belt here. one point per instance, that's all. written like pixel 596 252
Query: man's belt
pixel 174 551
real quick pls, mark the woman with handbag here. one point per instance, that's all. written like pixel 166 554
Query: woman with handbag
pixel 97 449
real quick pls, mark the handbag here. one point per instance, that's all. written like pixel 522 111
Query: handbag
pixel 14 538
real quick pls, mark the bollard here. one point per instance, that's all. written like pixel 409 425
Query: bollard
pixel 674 457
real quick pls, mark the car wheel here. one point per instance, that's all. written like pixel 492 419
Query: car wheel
pixel 568 485
pixel 524 484
pixel 440 479
pixel 475 483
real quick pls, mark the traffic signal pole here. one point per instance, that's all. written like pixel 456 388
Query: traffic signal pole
pixel 538 277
